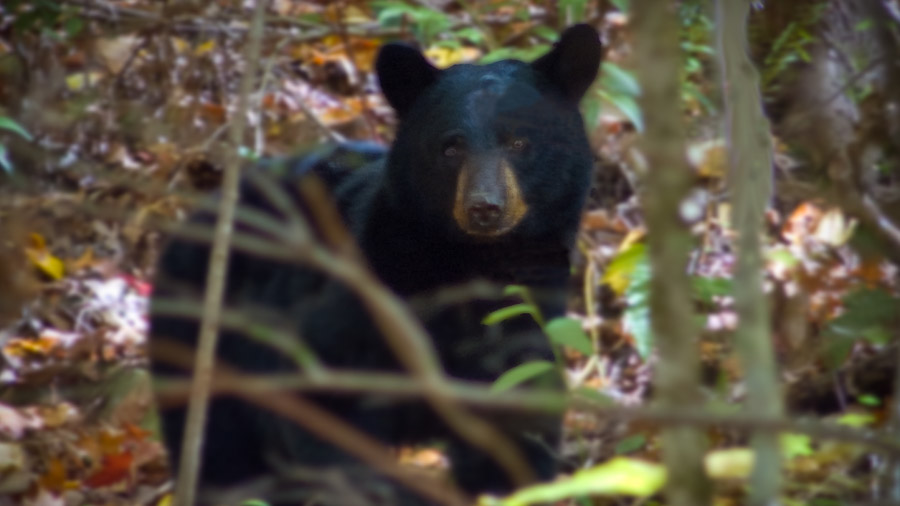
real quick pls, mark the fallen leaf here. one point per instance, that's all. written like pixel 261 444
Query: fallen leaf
pixel 40 257
pixel 115 468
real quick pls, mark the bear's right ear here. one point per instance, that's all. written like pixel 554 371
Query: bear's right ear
pixel 403 73
pixel 572 65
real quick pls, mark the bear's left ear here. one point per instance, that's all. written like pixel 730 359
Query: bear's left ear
pixel 403 73
pixel 572 64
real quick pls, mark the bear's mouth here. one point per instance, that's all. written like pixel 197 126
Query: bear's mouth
pixel 488 201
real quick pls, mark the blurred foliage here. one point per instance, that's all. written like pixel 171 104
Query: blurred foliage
pixel 10 125
pixel 868 315
pixel 52 19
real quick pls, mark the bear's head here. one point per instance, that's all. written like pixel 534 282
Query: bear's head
pixel 491 151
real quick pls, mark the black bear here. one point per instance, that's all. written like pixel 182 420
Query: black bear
pixel 485 180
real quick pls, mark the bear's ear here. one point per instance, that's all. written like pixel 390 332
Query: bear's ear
pixel 403 73
pixel 572 64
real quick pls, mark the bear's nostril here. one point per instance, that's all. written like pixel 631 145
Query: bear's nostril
pixel 484 215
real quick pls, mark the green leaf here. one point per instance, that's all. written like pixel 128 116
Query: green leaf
pixel 636 318
pixel 508 312
pixel 863 25
pixel 783 256
pixel 627 105
pixel 73 26
pixel 11 125
pixel 520 374
pixel 858 420
pixel 618 476
pixel 590 109
pixel 795 445
pixel 706 288
pixel 545 32
pixel 631 444
pixel 869 400
pixel 622 5
pixel 524 54
pixel 470 34
pixel 691 91
pixel 819 501
pixel 568 332
pixel 4 160
pixel 690 47
pixel 620 270
pixel 614 78
pixel 520 291
pixel 574 9
pixel 868 314
pixel 254 502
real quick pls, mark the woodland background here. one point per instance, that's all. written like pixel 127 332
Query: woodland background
pixel 115 115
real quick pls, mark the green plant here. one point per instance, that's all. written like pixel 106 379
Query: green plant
pixel 10 125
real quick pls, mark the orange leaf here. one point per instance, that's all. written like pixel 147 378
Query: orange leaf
pixel 27 346
pixel 135 432
pixel 55 477
pixel 110 441
pixel 115 468
pixel 801 222
pixel 871 272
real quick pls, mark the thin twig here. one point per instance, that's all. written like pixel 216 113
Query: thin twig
pixel 215 282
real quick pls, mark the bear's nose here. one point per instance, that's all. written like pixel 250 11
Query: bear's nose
pixel 484 214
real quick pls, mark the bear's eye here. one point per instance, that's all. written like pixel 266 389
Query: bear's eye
pixel 454 147
pixel 518 144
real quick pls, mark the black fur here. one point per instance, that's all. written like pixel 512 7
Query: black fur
pixel 399 209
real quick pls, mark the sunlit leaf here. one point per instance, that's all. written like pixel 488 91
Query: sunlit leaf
pixel 568 332
pixel 205 47
pixel 515 291
pixel 795 445
pixel 783 257
pixel 508 312
pixel 619 272
pixel 12 125
pixel 41 257
pixel 835 228
pixel 730 463
pixel 709 158
pixel 520 374
pixel 629 274
pixel 80 80
pixel 868 400
pixel 858 420
pixel 443 57
pixel 618 476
